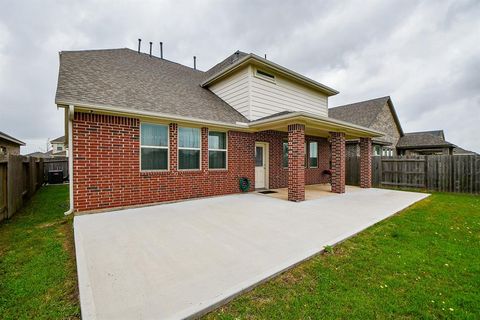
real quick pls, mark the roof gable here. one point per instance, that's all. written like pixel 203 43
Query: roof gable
pixel 364 113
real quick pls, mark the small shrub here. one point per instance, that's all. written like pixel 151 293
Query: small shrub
pixel 328 249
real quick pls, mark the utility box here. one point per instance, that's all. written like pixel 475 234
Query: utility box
pixel 55 176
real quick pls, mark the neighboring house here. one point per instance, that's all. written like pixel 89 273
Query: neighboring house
pixel 378 114
pixel 424 143
pixel 143 129
pixel 58 147
pixel 457 151
pixel 9 144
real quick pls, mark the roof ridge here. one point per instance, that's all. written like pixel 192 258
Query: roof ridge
pixel 131 51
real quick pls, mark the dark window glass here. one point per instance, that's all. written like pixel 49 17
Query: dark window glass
pixel 285 154
pixel 259 156
pixel 154 159
pixel 188 159
pixel 217 159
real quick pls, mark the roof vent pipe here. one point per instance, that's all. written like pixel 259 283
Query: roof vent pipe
pixel 194 62
pixel 139 43
pixel 161 50
pixel 150 49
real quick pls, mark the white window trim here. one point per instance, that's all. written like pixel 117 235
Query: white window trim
pixel 187 148
pixel 309 153
pixel 226 151
pixel 156 147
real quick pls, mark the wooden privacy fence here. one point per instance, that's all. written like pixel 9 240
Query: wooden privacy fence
pixel 20 177
pixel 55 164
pixel 448 173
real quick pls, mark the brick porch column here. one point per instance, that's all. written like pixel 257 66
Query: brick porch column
pixel 365 162
pixel 296 162
pixel 337 140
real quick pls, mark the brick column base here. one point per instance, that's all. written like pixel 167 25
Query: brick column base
pixel 337 141
pixel 365 162
pixel 296 162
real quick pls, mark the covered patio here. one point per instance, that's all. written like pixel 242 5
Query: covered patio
pixel 299 126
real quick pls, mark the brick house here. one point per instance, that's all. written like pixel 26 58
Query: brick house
pixel 378 114
pixel 143 129
pixel 9 144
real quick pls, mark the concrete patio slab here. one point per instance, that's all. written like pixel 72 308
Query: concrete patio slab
pixel 180 260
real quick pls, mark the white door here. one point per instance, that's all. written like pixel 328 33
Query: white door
pixel 260 165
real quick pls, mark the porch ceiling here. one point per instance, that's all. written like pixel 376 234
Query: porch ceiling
pixel 314 125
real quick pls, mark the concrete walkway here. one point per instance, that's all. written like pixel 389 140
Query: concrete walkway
pixel 179 260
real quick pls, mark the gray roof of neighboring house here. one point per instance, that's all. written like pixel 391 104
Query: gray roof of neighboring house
pixel 461 151
pixel 38 154
pixel 58 140
pixel 436 133
pixel 364 113
pixel 5 136
pixel 423 139
pixel 123 78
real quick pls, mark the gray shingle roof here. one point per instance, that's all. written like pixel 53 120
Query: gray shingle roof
pixel 58 140
pixel 225 63
pixel 361 113
pixel 422 139
pixel 436 133
pixel 5 136
pixel 124 78
pixel 461 151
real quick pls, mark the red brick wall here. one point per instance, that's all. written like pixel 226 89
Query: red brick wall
pixel 106 160
pixel 338 161
pixel 365 162
pixel 296 162
pixel 278 174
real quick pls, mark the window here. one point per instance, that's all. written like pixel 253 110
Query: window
pixel 285 154
pixel 377 150
pixel 305 154
pixel 313 159
pixel 217 150
pixel 264 75
pixel 188 148
pixel 59 148
pixel 154 147
pixel 387 152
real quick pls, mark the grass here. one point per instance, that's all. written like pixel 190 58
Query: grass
pixel 37 265
pixel 422 263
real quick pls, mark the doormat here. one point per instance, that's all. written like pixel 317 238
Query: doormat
pixel 267 192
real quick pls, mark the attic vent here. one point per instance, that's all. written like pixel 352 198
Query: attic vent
pixel 265 75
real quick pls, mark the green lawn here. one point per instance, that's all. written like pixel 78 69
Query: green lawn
pixel 423 263
pixel 37 264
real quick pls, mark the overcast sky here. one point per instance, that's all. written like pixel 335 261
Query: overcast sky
pixel 424 54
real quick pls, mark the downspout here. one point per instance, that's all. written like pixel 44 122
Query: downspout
pixel 70 156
